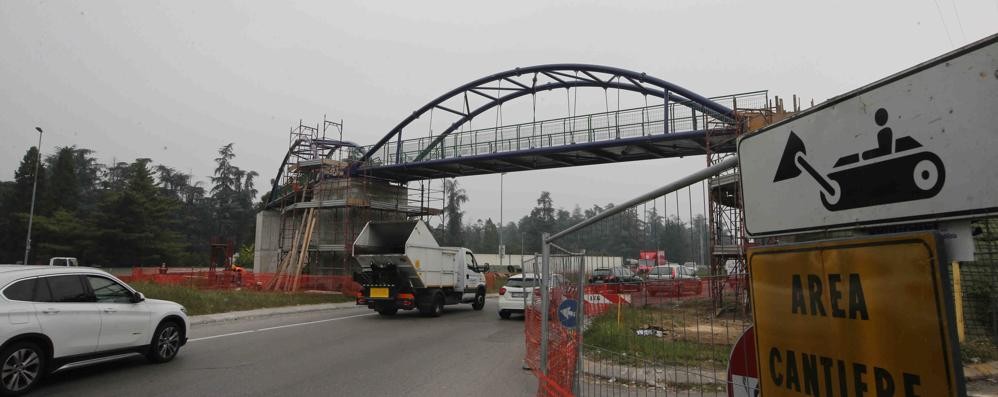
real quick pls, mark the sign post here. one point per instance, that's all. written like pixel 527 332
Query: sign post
pixel 862 317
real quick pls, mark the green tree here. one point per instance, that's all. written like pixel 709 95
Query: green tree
pixel 6 219
pixel 64 187
pixel 490 237
pixel 456 196
pixel 511 238
pixel 233 193
pixel 117 176
pixel 541 219
pixel 17 204
pixel 136 222
pixel 245 258
pixel 88 174
pixel 66 234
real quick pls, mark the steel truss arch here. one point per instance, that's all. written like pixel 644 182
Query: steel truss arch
pixel 325 147
pixel 567 75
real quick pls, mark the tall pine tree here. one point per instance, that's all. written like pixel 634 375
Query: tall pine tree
pixel 16 207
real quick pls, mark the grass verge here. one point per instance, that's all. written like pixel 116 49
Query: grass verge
pixel 619 342
pixel 976 350
pixel 202 301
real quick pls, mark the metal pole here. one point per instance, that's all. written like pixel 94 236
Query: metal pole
pixel 34 189
pixel 523 278
pixel 545 300
pixel 580 318
pixel 501 249
pixel 728 163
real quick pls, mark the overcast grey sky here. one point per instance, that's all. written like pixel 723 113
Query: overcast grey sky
pixel 175 80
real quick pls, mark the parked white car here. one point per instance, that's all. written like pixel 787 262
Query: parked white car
pixel 69 316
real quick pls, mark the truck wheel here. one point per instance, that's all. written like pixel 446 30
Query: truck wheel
pixel 426 308
pixel 504 314
pixel 438 305
pixel 479 303
pixel 432 305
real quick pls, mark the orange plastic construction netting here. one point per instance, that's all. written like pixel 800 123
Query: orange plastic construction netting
pixel 227 279
pixel 562 347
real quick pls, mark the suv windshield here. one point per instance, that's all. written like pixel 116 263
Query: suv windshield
pixel 523 282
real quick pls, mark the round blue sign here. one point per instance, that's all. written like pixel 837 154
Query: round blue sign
pixel 568 313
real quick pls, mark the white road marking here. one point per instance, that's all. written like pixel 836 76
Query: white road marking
pixel 278 327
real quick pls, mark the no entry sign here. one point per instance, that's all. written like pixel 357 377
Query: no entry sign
pixel 743 372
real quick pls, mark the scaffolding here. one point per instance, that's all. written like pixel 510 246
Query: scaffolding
pixel 322 206
pixel 728 237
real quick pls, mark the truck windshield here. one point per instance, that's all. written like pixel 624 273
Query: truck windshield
pixel 523 282
pixel 469 260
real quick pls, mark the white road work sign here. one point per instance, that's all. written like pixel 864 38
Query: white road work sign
pixel 919 145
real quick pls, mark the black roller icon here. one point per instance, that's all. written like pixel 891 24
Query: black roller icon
pixel 893 172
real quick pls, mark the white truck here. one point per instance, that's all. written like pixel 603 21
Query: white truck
pixel 403 267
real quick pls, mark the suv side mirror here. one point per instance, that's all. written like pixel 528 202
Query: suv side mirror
pixel 485 269
pixel 138 297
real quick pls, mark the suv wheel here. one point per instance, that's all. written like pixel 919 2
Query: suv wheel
pixel 21 367
pixel 165 342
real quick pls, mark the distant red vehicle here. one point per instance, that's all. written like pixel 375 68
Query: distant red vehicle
pixel 647 260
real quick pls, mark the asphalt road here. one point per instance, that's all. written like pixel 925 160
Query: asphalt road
pixel 346 352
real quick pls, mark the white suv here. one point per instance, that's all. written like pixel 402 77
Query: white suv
pixel 75 315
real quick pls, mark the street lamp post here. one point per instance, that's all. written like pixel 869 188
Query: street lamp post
pixel 502 250
pixel 34 189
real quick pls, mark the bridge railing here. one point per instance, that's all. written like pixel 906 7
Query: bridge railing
pixel 589 128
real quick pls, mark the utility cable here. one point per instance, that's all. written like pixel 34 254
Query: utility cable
pixel 943 20
pixel 959 22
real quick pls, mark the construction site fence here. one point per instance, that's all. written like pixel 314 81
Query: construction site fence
pixel 648 337
pixel 675 335
pixel 228 279
pixel 975 288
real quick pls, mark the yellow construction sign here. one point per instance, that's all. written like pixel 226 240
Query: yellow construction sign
pixel 861 317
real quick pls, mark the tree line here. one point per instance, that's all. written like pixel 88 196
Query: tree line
pixel 140 213
pixel 124 214
pixel 625 234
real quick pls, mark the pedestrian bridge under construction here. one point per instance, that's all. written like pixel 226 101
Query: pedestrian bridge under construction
pixel 326 189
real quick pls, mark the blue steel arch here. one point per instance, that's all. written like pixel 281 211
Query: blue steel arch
pixel 562 75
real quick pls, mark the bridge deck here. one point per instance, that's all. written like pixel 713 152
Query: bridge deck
pixel 559 154
pixel 625 135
